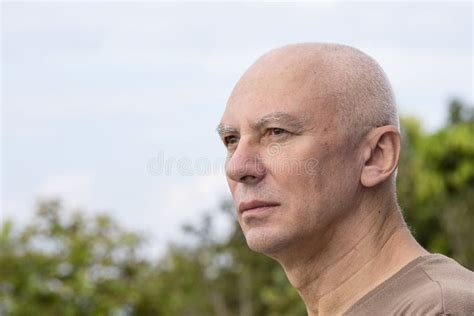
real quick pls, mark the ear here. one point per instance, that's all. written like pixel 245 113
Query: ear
pixel 380 155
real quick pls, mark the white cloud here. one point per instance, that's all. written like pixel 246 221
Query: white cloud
pixel 17 207
pixel 75 189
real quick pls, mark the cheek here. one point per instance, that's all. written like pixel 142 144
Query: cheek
pixel 303 190
pixel 316 187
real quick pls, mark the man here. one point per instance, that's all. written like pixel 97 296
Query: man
pixel 313 144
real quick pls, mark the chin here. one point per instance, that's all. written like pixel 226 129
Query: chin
pixel 265 241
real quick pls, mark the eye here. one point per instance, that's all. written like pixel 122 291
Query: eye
pixel 275 131
pixel 230 141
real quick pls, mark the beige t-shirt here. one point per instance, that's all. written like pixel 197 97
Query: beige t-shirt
pixel 429 285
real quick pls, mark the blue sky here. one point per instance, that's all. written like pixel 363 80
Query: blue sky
pixel 94 94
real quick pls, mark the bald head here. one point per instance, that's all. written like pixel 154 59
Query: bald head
pixel 311 128
pixel 344 79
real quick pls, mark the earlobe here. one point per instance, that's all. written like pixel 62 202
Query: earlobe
pixel 380 156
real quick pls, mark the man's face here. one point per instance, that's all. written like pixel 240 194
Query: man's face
pixel 291 171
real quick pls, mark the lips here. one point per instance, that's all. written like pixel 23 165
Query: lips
pixel 255 204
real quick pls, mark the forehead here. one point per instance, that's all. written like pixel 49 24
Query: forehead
pixel 289 89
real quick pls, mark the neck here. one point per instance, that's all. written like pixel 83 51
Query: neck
pixel 332 278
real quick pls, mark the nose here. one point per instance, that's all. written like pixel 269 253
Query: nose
pixel 244 165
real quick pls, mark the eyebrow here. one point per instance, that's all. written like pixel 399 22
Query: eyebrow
pixel 275 117
pixel 223 129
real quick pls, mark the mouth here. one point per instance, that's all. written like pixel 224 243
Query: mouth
pixel 256 205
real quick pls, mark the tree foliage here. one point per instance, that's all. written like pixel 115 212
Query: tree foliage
pixel 65 263
pixel 436 184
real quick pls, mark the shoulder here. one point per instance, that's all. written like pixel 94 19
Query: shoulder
pixel 429 285
pixel 451 282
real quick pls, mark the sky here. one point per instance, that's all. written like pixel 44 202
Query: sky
pixel 112 106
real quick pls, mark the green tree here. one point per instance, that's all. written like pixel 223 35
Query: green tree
pixel 436 184
pixel 62 265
